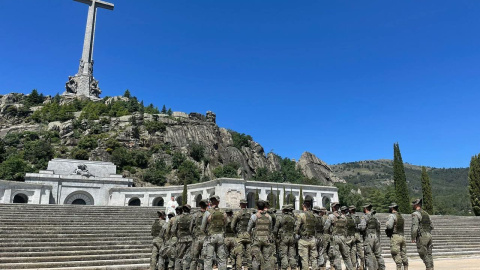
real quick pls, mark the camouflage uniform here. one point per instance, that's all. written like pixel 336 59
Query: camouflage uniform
pixel 198 239
pixel 359 260
pixel 157 233
pixel 398 246
pixel 422 233
pixel 181 229
pixel 338 243
pixel 213 223
pixel 242 250
pixel 373 250
pixel 229 237
pixel 320 238
pixel 262 247
pixel 168 251
pixel 307 246
pixel 283 230
pixel 351 241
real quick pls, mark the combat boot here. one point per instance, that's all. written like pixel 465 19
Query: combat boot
pixel 405 267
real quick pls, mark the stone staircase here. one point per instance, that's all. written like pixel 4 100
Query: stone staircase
pixel 102 237
pixel 75 237
pixel 452 236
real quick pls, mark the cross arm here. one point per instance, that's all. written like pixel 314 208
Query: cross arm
pixel 98 3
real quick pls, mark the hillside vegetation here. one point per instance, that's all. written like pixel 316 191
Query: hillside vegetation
pixel 374 179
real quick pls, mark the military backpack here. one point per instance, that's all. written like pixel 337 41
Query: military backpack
pixel 216 221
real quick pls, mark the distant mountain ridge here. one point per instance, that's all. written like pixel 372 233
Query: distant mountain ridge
pixel 449 185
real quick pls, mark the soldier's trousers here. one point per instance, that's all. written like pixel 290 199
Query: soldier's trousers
pixel 328 255
pixel 357 254
pixel 243 251
pixel 230 244
pixel 425 248
pixel 321 246
pixel 196 250
pixel 287 252
pixel 156 260
pixel 373 252
pixel 184 254
pixel 307 250
pixel 341 250
pixel 214 244
pixel 398 248
pixel 262 254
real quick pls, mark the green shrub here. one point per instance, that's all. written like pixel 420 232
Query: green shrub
pixel 188 173
pixel 156 174
pixel 154 126
pixel 88 142
pixel 80 154
pixel 229 171
pixel 177 160
pixel 14 168
pixel 197 151
pixel 240 139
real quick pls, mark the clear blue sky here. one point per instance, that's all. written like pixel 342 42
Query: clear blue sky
pixel 341 79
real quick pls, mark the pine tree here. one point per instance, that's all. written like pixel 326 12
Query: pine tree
pixel 474 184
pixel 400 181
pixel 127 94
pixel 301 197
pixel 184 194
pixel 257 197
pixel 164 109
pixel 427 192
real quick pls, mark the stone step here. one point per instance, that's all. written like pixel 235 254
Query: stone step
pixel 73 243
pixel 144 266
pixel 43 265
pixel 75 252
pixel 70 240
pixel 71 248
pixel 96 257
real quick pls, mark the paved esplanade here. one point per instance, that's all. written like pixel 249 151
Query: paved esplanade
pixel 83 83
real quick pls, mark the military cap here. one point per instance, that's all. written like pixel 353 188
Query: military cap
pixel 161 213
pixel 187 206
pixel 323 209
pixel 291 207
pixel 417 201
pixel 285 206
pixel 352 207
pixel 170 215
pixel 243 201
pixel 393 205
pixel 204 202
pixel 228 210
pixel 316 208
pixel 267 203
pixel 179 208
pixel 343 208
pixel 368 205
pixel 333 204
pixel 215 197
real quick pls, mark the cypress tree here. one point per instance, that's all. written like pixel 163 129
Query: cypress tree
pixel 474 184
pixel 400 181
pixel 277 203
pixel 301 197
pixel 271 200
pixel 257 198
pixel 292 199
pixel 427 192
pixel 284 196
pixel 184 194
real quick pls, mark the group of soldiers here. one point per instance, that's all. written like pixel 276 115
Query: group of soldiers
pixel 263 239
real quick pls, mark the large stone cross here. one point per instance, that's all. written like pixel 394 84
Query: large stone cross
pixel 83 83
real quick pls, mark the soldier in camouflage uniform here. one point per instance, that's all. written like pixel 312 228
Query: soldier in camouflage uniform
pixel 305 229
pixel 394 229
pixel 242 250
pixel 157 233
pixel 283 230
pixel 213 222
pixel 181 229
pixel 319 236
pixel 171 239
pixel 351 229
pixel 164 259
pixel 422 233
pixel 198 236
pixel 260 227
pixel 358 261
pixel 373 250
pixel 337 222
pixel 229 236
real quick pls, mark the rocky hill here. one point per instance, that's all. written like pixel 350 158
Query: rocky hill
pixel 449 185
pixel 152 146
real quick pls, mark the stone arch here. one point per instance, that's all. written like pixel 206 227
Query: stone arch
pixel 290 199
pixel 78 197
pixel 135 201
pixel 198 198
pixel 326 202
pixel 158 201
pixel 310 199
pixel 272 199
pixel 251 199
pixel 179 200
pixel 20 198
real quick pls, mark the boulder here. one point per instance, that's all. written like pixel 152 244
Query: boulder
pixel 313 167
